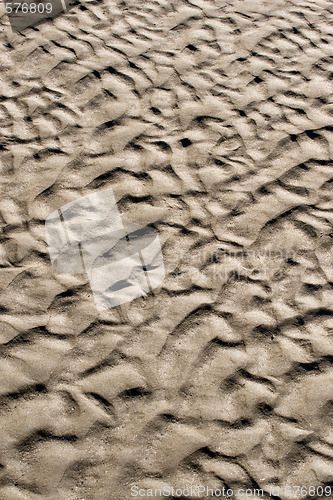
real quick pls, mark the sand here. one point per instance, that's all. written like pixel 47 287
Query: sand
pixel 212 122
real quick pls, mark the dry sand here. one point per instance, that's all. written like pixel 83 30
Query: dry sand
pixel 212 121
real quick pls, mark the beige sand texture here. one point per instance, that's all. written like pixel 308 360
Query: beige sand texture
pixel 212 121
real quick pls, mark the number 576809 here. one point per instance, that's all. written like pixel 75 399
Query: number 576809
pixel 28 8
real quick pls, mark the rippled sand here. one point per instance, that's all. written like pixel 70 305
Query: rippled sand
pixel 212 121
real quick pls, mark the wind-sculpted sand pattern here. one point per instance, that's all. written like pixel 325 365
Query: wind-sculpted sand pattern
pixel 212 121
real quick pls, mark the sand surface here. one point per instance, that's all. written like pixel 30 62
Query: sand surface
pixel 212 120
